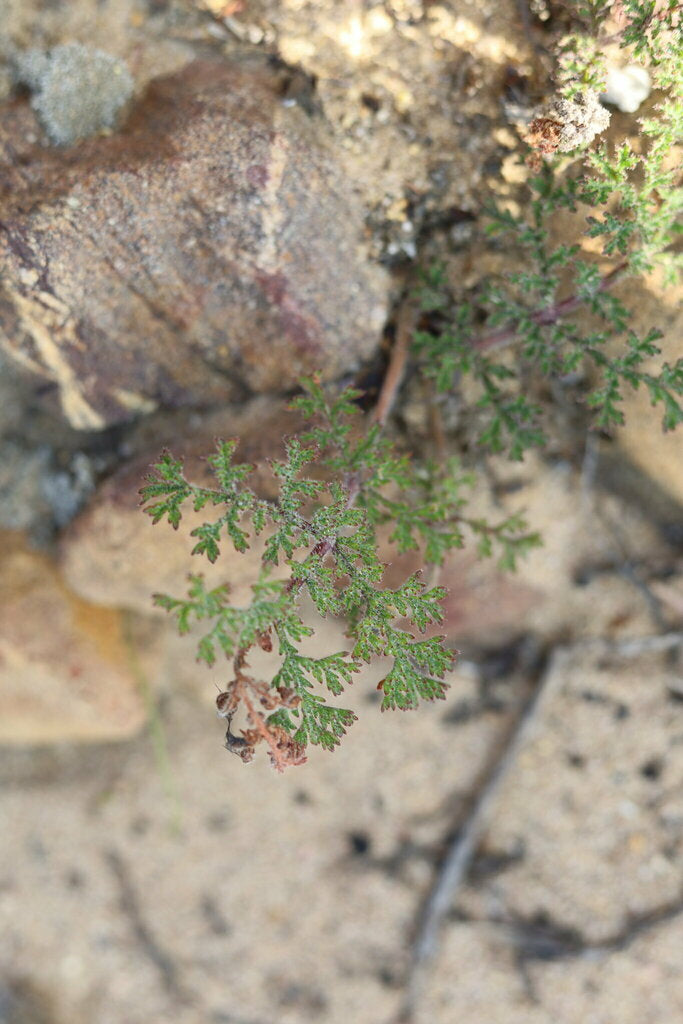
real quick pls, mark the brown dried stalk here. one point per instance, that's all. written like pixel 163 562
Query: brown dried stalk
pixel 455 867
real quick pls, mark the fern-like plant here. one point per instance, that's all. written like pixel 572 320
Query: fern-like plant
pixel 324 526
pixel 325 531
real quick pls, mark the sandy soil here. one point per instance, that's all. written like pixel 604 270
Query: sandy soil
pixel 159 880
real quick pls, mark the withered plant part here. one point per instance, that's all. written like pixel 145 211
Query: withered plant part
pixel 568 124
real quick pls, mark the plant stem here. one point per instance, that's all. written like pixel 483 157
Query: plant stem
pixel 505 336
pixel 385 402
pixel 405 324
pixel 387 396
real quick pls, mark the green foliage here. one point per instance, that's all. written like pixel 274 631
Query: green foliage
pixel 628 198
pixel 341 482
pixel 325 532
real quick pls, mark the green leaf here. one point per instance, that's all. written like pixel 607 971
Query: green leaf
pixel 166 481
pixel 318 722
pixel 417 674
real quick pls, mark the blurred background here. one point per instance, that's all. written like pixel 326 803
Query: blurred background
pixel 146 875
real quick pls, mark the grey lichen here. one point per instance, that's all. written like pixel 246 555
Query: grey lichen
pixel 29 66
pixel 567 125
pixel 581 119
pixel 77 91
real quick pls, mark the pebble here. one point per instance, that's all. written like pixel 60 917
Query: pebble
pixel 626 88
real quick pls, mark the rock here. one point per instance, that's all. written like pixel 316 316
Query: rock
pixel 29 67
pixel 626 88
pixel 65 670
pixel 211 246
pixel 14 396
pixel 113 555
pixel 36 495
pixel 567 124
pixel 22 472
pixel 67 489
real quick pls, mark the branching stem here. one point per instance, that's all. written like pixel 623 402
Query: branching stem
pixel 237 690
pixel 504 336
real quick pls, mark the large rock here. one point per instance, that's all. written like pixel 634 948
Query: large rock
pixel 113 555
pixel 211 246
pixel 65 665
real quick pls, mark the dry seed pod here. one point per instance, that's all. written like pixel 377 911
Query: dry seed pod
pixel 567 124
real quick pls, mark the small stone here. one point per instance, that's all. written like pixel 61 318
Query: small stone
pixel 65 670
pixel 29 66
pixel 567 124
pixel 626 88
pixel 22 471
pixel 112 553
pixel 65 490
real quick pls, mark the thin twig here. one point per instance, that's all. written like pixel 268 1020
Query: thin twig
pixel 527 26
pixel 544 317
pixel 550 941
pixel 589 469
pixel 405 324
pixel 630 572
pixel 397 363
pixel 458 860
pixel 437 427
pixel 144 936
pixel 633 646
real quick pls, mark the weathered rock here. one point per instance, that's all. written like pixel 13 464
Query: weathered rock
pixel 65 670
pixel 78 91
pixel 22 471
pixel 627 87
pixel 209 247
pixel 114 555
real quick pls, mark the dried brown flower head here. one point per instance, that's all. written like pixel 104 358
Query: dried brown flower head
pixel 567 124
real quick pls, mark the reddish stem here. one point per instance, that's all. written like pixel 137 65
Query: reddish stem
pixel 543 317
pixel 385 402
pixel 397 363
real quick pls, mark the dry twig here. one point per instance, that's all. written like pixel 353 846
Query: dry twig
pixel 458 860
pixel 457 863
pixel 405 324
